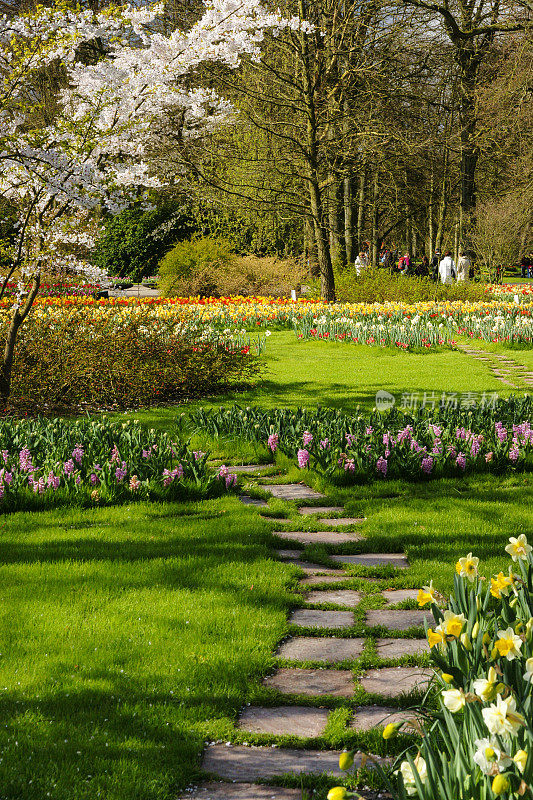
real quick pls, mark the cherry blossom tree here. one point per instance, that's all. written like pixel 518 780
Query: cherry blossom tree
pixel 90 153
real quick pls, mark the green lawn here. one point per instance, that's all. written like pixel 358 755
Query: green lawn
pixel 344 376
pixel 131 635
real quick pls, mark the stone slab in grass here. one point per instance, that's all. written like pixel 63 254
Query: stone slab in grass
pixel 368 717
pixel 307 510
pixel 397 648
pixel 306 566
pixel 252 501
pixel 340 521
pixel 317 537
pixel 249 467
pixel 393 596
pixel 327 649
pixel 395 681
pixel 220 790
pixel 397 620
pixel 284 720
pixel 237 763
pixel 316 580
pixel 292 491
pixel 288 555
pixel 313 618
pixel 397 560
pixel 339 597
pixel 312 682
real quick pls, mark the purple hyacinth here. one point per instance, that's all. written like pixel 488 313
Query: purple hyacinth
pixel 273 441
pixel 77 453
pixel 69 467
pixel 461 461
pixel 307 438
pixel 381 465
pixel 427 464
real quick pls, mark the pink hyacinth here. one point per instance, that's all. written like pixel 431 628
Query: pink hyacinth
pixel 427 465
pixel 135 483
pixel 77 453
pixel 231 480
pixel 115 455
pixel 147 453
pixel 121 472
pixel 69 467
pixel 223 471
pixel 8 478
pixel 514 452
pixel 303 458
pixel 461 461
pixel 489 457
pixel 5 455
pixel 349 465
pixel 369 431
pixel 382 465
pixel 198 455
pixel 324 444
pixel 307 438
pixel 501 432
pixel 25 460
pixel 53 481
pixel 350 438
pixel 273 441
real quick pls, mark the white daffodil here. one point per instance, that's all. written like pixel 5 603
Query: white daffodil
pixel 502 717
pixel 408 775
pixel 518 547
pixel 486 688
pixel 528 674
pixel 488 753
pixel 453 699
pixel 467 567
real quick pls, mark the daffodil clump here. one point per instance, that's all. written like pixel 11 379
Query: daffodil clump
pixel 478 744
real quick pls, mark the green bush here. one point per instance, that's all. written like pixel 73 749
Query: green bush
pixel 191 267
pixel 377 286
pixel 135 240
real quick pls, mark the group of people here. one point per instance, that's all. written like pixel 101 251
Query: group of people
pixel 441 267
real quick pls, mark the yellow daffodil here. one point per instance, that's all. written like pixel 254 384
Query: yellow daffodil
pixel 426 595
pixel 346 759
pixel 518 548
pixel 452 624
pixel 508 644
pixel 337 793
pixel 435 637
pixel 391 729
pixel 500 784
pixel 520 758
pixel 467 567
pixel 500 585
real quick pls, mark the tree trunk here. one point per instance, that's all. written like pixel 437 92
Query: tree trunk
pixel 335 243
pixel 431 226
pixel 9 351
pixel 443 203
pixel 468 60
pixel 310 254
pixel 348 221
pixel 361 207
pixel 376 241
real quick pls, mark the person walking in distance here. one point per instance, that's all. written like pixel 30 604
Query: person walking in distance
pixel 463 267
pixel 447 268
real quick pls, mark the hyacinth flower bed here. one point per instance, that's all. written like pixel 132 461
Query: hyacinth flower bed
pixel 46 463
pixel 494 437
pixel 479 743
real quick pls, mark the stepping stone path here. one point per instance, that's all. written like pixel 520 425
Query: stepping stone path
pixel 327 649
pixel 250 467
pixel 292 491
pixel 309 510
pixel 219 790
pixel 285 720
pixel 374 560
pixel 511 371
pixel 395 681
pixel 397 620
pixel 311 618
pixel 338 597
pixel 242 766
pixel 312 682
pixel 318 537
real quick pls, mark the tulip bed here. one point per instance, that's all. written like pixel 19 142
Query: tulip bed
pixel 478 744
pixel 88 462
pixel 493 437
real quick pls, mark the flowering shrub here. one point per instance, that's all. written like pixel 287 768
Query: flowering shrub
pixel 59 288
pixel 100 362
pixel 443 441
pixel 50 462
pixel 479 743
